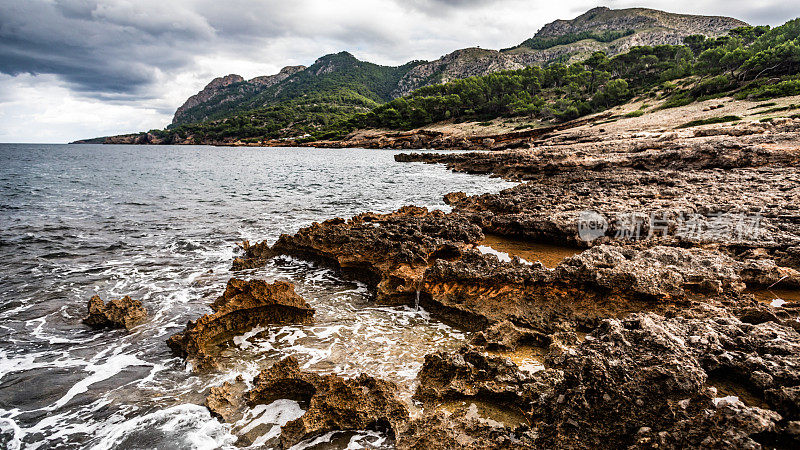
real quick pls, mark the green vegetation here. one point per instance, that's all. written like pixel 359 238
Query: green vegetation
pixel 339 94
pixel 298 117
pixel 780 109
pixel 781 89
pixel 710 121
pixel 764 105
pixel 639 112
pixel 539 43
pixel 330 91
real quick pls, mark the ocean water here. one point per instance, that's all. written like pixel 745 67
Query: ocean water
pixel 160 223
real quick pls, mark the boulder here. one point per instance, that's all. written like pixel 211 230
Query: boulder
pixel 119 313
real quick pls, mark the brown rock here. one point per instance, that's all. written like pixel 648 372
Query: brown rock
pixel 243 306
pixel 120 313
pixel 226 401
pixel 333 403
pixel 390 252
pixel 254 255
pixel 454 197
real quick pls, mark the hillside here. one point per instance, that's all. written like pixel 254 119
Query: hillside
pixel 600 29
pixel 314 102
pixel 613 31
pixel 228 90
pixel 339 81
pixel 606 25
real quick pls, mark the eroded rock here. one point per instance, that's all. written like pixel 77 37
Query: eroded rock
pixel 705 379
pixel 390 252
pixel 332 403
pixel 647 380
pixel 118 313
pixel 461 429
pixel 243 306
pixel 227 400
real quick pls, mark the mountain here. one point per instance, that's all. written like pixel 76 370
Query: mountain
pixel 609 30
pixel 337 79
pixel 362 83
pixel 228 89
pixel 303 102
pixel 615 32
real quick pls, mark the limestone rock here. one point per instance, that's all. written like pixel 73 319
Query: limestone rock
pixel 243 306
pixel 226 401
pixel 119 313
pixel 332 403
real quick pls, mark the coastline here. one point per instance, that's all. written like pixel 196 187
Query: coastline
pixel 621 123
pixel 663 322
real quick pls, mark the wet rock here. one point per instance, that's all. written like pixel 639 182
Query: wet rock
pixel 473 374
pixel 477 291
pixel 645 380
pixel 388 251
pixel 454 197
pixel 460 430
pixel 504 335
pixel 226 401
pixel 332 403
pixel 658 272
pixel 756 316
pixel 119 313
pixel 678 181
pixel 254 255
pixel 243 306
pixel 680 355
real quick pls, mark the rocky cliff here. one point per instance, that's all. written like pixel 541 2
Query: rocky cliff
pixel 468 62
pixel 605 19
pixel 229 88
pixel 609 30
pixel 212 90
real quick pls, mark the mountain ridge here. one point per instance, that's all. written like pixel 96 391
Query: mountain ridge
pixel 640 26
pixel 339 74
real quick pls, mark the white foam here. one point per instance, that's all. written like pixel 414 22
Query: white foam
pixel 112 366
pixel 204 432
pixel 355 445
pixel 279 412
pixel 501 256
pixel 9 426
pixel 316 441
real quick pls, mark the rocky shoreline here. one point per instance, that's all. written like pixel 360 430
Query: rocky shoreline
pixel 377 139
pixel 654 332
pixel 648 336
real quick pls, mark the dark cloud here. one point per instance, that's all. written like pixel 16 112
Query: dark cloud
pixel 95 48
pixel 114 49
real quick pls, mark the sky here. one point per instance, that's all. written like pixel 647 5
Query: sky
pixel 72 69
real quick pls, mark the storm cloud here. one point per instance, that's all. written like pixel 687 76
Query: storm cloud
pixel 149 55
